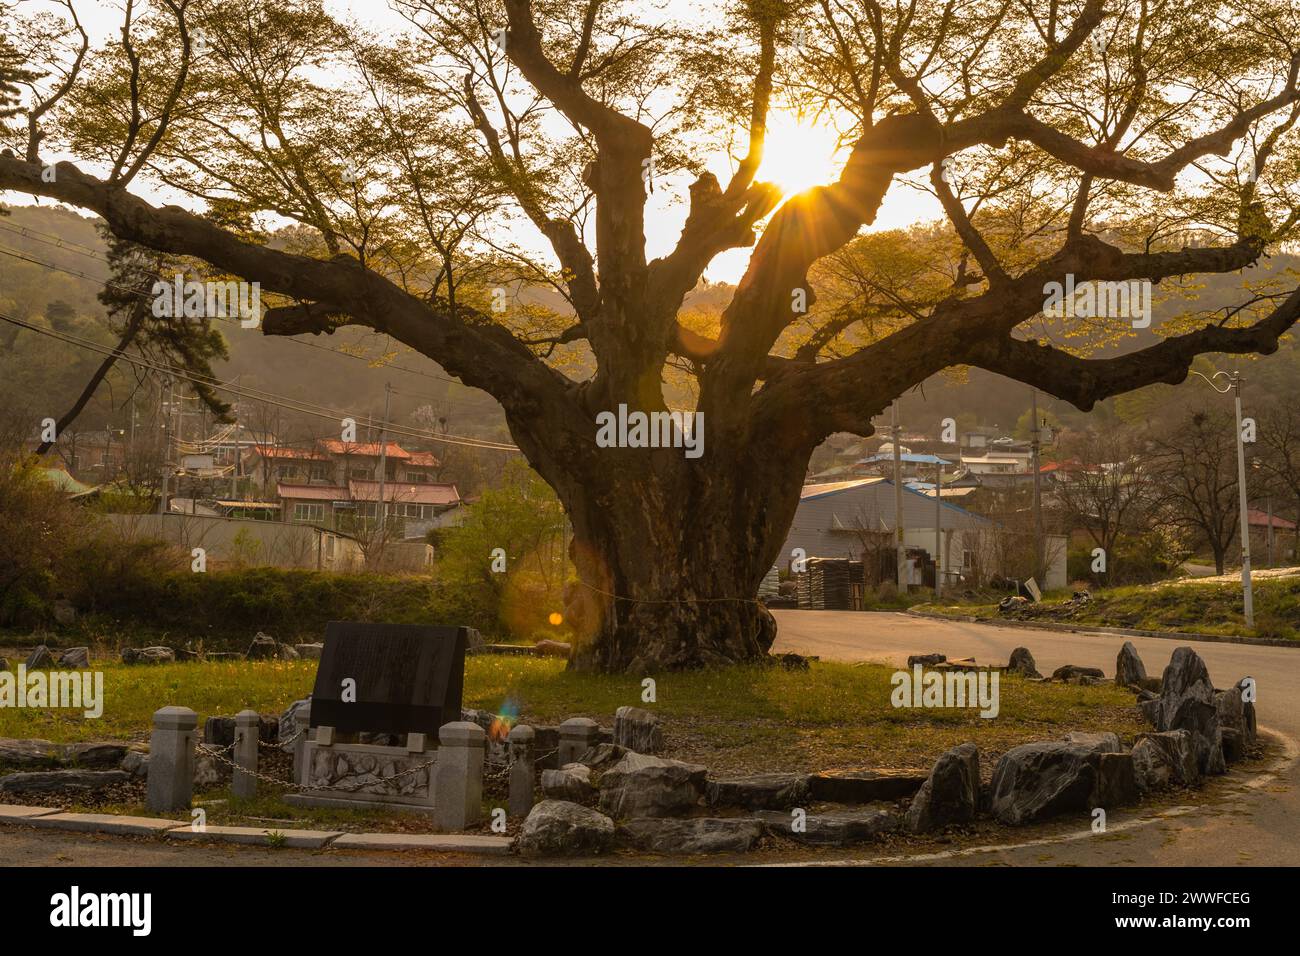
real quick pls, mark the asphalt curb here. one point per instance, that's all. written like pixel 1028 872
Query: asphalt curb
pixel 1098 629
pixel 51 818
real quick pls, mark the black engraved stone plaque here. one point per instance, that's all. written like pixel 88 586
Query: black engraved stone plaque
pixel 409 678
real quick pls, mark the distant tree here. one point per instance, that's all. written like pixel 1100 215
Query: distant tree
pixel 1104 488
pixel 516 588
pixel 1278 454
pixel 1194 470
pixel 188 346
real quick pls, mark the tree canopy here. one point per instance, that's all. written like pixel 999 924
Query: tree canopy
pixel 477 147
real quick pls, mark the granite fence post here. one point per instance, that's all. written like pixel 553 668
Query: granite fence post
pixel 458 777
pixel 521 770
pixel 171 759
pixel 577 736
pixel 244 783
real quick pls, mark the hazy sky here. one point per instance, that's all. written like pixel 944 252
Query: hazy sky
pixel 797 156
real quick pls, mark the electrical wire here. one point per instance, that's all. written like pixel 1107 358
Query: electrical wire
pixel 258 395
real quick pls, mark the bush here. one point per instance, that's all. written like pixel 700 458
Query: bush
pixel 38 525
pixel 523 518
pixel 1142 560
pixel 225 608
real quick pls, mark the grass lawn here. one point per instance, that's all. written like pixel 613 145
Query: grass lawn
pixel 1175 606
pixel 737 719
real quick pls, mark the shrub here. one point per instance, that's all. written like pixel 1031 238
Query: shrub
pixel 38 524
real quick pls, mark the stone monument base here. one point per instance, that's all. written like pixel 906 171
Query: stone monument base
pixel 324 801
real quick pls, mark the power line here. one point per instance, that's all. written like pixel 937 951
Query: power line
pixel 50 240
pixel 258 395
pixel 295 341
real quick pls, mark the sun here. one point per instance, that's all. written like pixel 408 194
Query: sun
pixel 797 154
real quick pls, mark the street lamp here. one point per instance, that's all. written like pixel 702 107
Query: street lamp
pixel 1234 383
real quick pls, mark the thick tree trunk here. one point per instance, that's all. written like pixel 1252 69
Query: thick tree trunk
pixel 670 555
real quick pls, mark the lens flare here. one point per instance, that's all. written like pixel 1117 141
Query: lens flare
pixel 506 717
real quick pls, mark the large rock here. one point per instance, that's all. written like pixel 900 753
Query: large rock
pixel 833 828
pixel 148 655
pixel 1022 663
pixel 1105 742
pixel 1248 711
pixel 950 794
pixel 1232 723
pixel 640 785
pixel 1072 672
pixel 287 652
pixel 207 771
pixel 40 658
pixel 29 754
pixel 638 730
pixel 1039 780
pixel 288 724
pixel 1128 666
pixel 865 786
pixel 602 756
pixel 698 835
pixel 75 657
pixel 1164 759
pixel 571 782
pixel 557 828
pixel 264 647
pixel 136 763
pixel 926 660
pixel 42 754
pixel 219 731
pixel 103 754
pixel 549 648
pixel 312 652
pixel 764 791
pixel 1116 780
pixel 62 781
pixel 1187 702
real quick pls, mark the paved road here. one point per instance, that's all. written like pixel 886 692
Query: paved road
pixel 1259 825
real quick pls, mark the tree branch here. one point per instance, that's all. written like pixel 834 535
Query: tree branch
pixel 1084 382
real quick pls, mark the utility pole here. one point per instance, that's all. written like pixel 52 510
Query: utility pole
pixel 938 522
pixel 234 472
pixel 1039 558
pixel 1234 383
pixel 167 445
pixel 383 462
pixel 898 500
pixel 1245 517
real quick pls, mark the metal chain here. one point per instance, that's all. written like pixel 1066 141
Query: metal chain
pixel 208 748
pixel 218 754
pixel 282 743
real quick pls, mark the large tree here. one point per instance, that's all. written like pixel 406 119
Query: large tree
pixel 1083 138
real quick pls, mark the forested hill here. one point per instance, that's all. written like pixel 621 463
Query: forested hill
pixel 348 370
